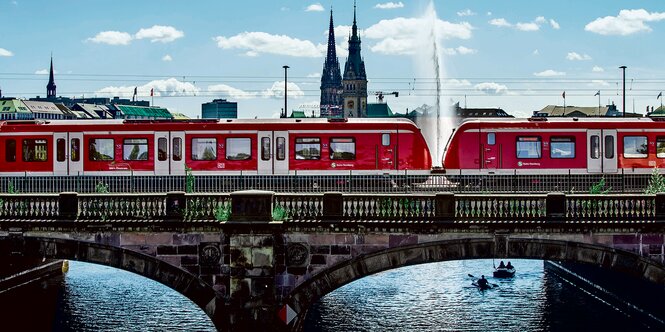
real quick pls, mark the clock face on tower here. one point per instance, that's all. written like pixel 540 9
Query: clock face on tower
pixel 349 104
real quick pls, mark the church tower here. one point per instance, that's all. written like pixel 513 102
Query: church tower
pixel 50 87
pixel 331 79
pixel 354 81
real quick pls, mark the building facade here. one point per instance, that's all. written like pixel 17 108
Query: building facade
pixel 331 79
pixel 219 109
pixel 354 81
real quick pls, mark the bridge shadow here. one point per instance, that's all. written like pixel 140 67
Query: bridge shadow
pixel 184 282
pixel 310 291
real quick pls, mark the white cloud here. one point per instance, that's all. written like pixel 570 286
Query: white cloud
pixel 112 38
pixel 44 72
pixel 314 75
pixel 540 20
pixel 167 87
pixel 527 26
pixel 535 52
pixel 500 22
pixel 408 35
pixel 229 91
pixel 549 73
pixel 160 33
pixel 554 24
pixel 317 7
pixel 524 26
pixel 277 91
pixel 4 52
pixel 597 69
pixel 261 42
pixel 389 5
pixel 599 82
pixel 466 12
pixel 167 58
pixel 459 50
pixel 574 56
pixel 452 83
pixel 491 88
pixel 629 21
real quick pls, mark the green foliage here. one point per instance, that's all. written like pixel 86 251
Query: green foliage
pixel 278 213
pixel 222 212
pixel 102 188
pixel 656 183
pixel 189 180
pixel 599 188
pixel 11 189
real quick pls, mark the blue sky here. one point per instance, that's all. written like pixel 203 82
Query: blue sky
pixel 518 55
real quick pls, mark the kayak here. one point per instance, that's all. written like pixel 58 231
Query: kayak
pixel 503 272
pixel 488 286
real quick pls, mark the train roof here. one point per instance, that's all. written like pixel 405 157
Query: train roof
pixel 561 120
pixel 562 123
pixel 238 121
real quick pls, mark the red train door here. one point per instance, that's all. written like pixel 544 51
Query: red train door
pixel 385 152
pixel 490 151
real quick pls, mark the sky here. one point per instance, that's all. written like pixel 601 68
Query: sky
pixel 519 55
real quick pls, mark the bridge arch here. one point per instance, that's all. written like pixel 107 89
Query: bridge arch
pixel 183 282
pixel 343 273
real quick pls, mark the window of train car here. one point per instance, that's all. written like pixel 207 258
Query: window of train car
pixel 281 148
pixel 204 149
pixel 75 148
pixel 101 149
pixel 562 147
pixel 595 147
pixel 634 146
pixel 609 147
pixel 660 147
pixel 135 149
pixel 61 145
pixel 491 138
pixel 34 150
pixel 162 154
pixel 529 147
pixel 265 148
pixel 10 150
pixel 308 148
pixel 385 139
pixel 238 149
pixel 177 149
pixel 343 148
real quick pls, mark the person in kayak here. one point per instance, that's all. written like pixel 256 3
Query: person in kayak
pixel 509 266
pixel 501 265
pixel 482 282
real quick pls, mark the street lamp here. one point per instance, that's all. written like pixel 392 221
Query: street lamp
pixel 285 89
pixel 624 90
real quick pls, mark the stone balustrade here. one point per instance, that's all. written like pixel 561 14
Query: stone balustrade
pixel 262 206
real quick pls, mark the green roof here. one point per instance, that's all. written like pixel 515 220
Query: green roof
pixel 298 114
pixel 144 112
pixel 13 106
pixel 379 111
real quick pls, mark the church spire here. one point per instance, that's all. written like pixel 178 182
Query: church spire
pixel 50 87
pixel 331 78
pixel 354 80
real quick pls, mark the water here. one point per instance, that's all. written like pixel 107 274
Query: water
pixel 429 297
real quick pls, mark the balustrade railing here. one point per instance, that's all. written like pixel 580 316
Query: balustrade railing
pixel 500 207
pixel 610 208
pixel 388 207
pixel 31 206
pixel 103 207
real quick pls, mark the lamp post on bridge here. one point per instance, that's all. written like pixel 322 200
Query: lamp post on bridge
pixel 624 90
pixel 285 90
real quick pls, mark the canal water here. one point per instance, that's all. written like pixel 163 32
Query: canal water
pixel 429 297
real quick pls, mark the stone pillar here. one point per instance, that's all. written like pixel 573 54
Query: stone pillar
pixel 68 206
pixel 556 207
pixel 660 207
pixel 176 204
pixel 251 205
pixel 333 206
pixel 444 208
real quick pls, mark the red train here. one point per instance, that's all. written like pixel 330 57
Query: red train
pixel 556 146
pixel 280 146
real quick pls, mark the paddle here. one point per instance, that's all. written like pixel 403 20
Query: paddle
pixel 472 276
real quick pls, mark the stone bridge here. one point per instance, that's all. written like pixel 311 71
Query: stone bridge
pixel 258 260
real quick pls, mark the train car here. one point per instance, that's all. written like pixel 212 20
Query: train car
pixel 556 146
pixel 270 147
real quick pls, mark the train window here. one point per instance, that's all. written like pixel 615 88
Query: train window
pixel 204 149
pixel 100 149
pixel 385 139
pixel 238 149
pixel 660 147
pixel 528 147
pixel 75 149
pixel 562 147
pixel 177 149
pixel 308 148
pixel 595 147
pixel 34 150
pixel 60 145
pixel 491 138
pixel 281 148
pixel 135 149
pixel 343 148
pixel 10 150
pixel 634 146
pixel 609 147
pixel 162 153
pixel 265 148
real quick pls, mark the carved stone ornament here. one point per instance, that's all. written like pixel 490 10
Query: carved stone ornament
pixel 210 254
pixel 296 254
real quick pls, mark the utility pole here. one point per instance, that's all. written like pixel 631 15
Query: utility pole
pixel 624 90
pixel 285 89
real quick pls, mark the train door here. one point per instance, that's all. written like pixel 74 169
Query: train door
pixel 265 163
pixel 162 164
pixel 281 155
pixel 169 153
pixel 177 160
pixel 67 154
pixel 490 151
pixel 602 151
pixel 385 152
pixel 273 152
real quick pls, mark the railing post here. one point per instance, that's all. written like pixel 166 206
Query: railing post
pixel 660 207
pixel 252 205
pixel 556 207
pixel 68 206
pixel 176 204
pixel 444 208
pixel 333 205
